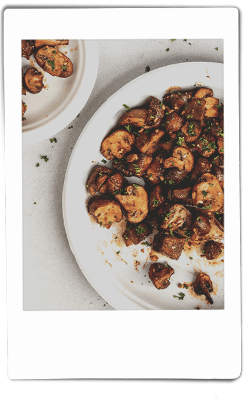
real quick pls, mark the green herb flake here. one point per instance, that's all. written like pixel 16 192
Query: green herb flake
pixel 118 252
pixel 37 164
pixel 128 127
pixel 104 161
pixel 146 244
pixel 155 202
pixel 127 107
pixel 172 40
pixel 216 48
pixel 147 69
pixel 140 230
pixel 204 193
pixel 52 64
pixel 167 49
pixel 171 182
pixel 181 296
pixel 64 67
pixel 53 140
pixel 45 158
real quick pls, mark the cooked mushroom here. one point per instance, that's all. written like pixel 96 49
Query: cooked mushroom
pixel 156 198
pixel 168 245
pixel 154 172
pixel 208 193
pixel 202 166
pixel 117 144
pixel 33 80
pixel 134 234
pixel 50 42
pixel 115 183
pixel 175 176
pixel 28 48
pixel 220 145
pixel 194 110
pixel 174 217
pixel 105 211
pixel 23 85
pixel 211 107
pixel 148 142
pixel 97 172
pixel 182 158
pixel 173 122
pixel 191 131
pixel 155 113
pixel 135 202
pixel 141 164
pixel 54 62
pixel 212 250
pixel 203 92
pixel 177 100
pixel 206 145
pixel 203 286
pixel 136 117
pixel 160 275
pixel 180 195
pixel 201 226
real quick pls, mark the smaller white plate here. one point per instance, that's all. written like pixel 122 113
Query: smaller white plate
pixel 62 99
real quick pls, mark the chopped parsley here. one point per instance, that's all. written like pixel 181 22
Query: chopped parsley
pixel 172 40
pixel 118 252
pixel 216 48
pixel 64 67
pixel 53 140
pixel 180 297
pixel 146 244
pixel 204 193
pixel 171 182
pixel 180 141
pixel 45 158
pixel 104 161
pixel 147 69
pixel 137 169
pixel 37 164
pixel 125 237
pixel 155 202
pixel 140 230
pixel 127 107
pixel 52 64
pixel 128 127
pixel 206 207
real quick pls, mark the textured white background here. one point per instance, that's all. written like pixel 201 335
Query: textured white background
pixel 52 278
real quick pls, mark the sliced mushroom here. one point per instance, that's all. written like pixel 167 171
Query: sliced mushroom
pixel 136 117
pixel 135 203
pixel 180 195
pixel 105 211
pixel 50 42
pixel 54 62
pixel 160 275
pixel 182 158
pixel 117 144
pixel 33 80
pixel 201 226
pixel 208 193
pixel 156 198
pixel 203 286
pixel 97 172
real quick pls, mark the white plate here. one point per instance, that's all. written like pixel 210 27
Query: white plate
pixel 114 275
pixel 62 98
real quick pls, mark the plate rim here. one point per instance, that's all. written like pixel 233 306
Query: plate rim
pixel 122 299
pixel 74 107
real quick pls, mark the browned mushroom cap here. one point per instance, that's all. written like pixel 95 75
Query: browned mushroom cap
pixel 194 110
pixel 203 285
pixel 168 245
pixel 191 131
pixel 174 122
pixel 136 117
pixel 160 275
pixel 175 176
pixel 177 100
pixel 141 165
pixel 97 172
pixel 182 158
pixel 23 85
pixel 135 203
pixel 202 166
pixel 117 144
pixel 201 226
pixel 33 80
pixel 212 250
pixel 115 183
pixel 206 145
pixel 181 195
pixel 54 62
pixel 208 193
pixel 105 211
pixel 154 173
pixel 50 42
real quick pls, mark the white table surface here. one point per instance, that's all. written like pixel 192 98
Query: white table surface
pixel 52 277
